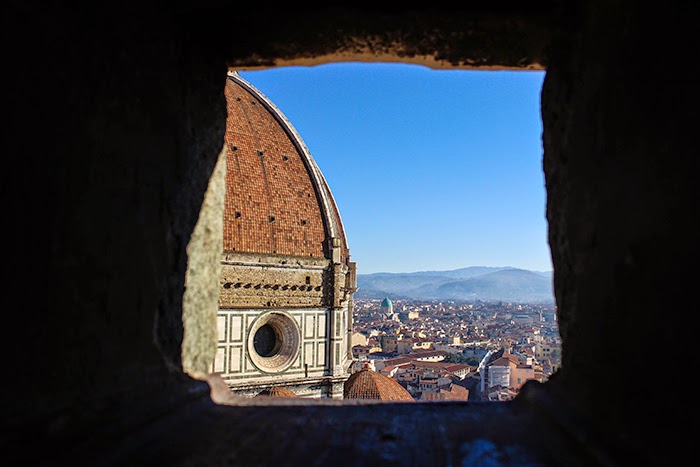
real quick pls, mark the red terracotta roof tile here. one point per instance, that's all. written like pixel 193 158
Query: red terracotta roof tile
pixel 276 392
pixel 275 194
pixel 369 384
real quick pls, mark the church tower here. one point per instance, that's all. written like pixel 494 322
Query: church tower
pixel 287 282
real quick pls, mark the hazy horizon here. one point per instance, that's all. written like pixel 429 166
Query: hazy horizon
pixel 455 269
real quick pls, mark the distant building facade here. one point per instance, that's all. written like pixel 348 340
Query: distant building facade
pixel 389 344
pixel 508 372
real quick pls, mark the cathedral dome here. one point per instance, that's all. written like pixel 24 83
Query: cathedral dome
pixel 369 384
pixel 386 303
pixel 277 200
pixel 286 282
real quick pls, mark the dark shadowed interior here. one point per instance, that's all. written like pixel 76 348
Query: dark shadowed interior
pixel 115 125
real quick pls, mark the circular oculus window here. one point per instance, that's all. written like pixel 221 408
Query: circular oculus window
pixel 273 342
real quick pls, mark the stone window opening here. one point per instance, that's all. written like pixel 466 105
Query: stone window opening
pixel 275 342
pixel 305 287
pixel 267 340
pixel 592 63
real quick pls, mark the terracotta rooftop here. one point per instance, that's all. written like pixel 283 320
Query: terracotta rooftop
pixel 425 354
pixel 455 392
pixel 276 391
pixel 397 361
pixel 506 359
pixel 369 384
pixel 277 201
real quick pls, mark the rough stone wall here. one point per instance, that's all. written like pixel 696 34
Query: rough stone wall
pixel 117 121
pixel 128 112
pixel 264 281
pixel 503 35
pixel 621 166
pixel 201 295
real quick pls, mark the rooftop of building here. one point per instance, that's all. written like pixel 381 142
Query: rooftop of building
pixel 277 201
pixel 369 384
pixel 276 391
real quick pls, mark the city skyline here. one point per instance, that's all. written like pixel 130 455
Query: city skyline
pixel 430 169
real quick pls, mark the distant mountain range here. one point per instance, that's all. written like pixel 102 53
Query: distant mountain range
pixel 470 283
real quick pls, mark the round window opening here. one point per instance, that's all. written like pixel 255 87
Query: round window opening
pixel 266 342
pixel 273 342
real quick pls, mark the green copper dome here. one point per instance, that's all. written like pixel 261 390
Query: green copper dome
pixel 386 302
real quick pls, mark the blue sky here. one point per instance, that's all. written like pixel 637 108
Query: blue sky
pixel 431 169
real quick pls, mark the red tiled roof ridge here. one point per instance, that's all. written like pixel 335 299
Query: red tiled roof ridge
pixel 276 391
pixel 456 366
pixel 369 384
pixel 283 175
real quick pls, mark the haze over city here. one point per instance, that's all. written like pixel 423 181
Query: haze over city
pixel 431 169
